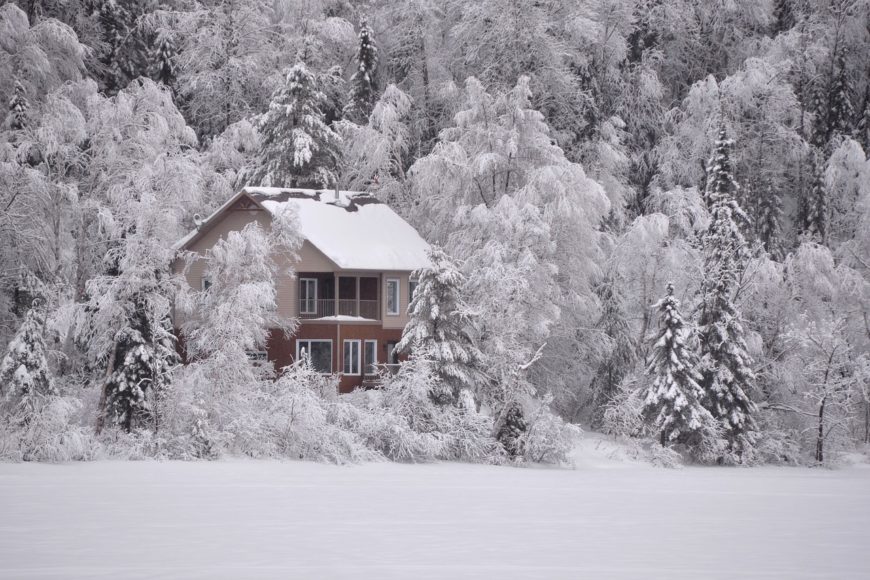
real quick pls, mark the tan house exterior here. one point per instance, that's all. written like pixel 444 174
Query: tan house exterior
pixel 352 282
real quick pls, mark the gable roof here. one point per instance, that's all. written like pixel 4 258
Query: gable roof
pixel 353 229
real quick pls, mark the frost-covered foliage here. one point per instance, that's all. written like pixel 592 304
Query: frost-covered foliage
pixel 297 147
pixel 441 329
pixel 374 154
pixel 673 402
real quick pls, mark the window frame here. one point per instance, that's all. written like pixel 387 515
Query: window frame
pixel 398 310
pixel 374 362
pixel 299 341
pixel 359 362
pixel 307 299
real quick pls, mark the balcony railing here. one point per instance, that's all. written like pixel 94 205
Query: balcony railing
pixel 309 309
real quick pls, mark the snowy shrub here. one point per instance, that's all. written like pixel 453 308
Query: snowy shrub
pixel 623 413
pixel 45 430
pixel 548 438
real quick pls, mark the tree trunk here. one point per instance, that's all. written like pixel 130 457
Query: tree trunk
pixel 101 406
pixel 820 439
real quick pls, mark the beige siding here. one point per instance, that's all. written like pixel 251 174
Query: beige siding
pixel 310 258
pixel 402 319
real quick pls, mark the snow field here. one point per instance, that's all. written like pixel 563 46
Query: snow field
pixel 606 519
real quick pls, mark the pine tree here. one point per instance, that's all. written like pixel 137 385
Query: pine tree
pixel 144 356
pixel 783 16
pixel 672 405
pixel 770 222
pixel 162 68
pixel 840 111
pixel 114 20
pixel 298 148
pixel 727 376
pixel 621 358
pixel 832 105
pixel 862 125
pixel 363 83
pixel 817 202
pixel 439 329
pixel 720 179
pixel 24 373
pixel 18 107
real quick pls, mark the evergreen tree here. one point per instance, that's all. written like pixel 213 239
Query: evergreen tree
pixel 621 357
pixel 816 224
pixel 840 111
pixel 24 372
pixel 298 148
pixel 832 105
pixel 439 329
pixel 510 428
pixel 862 125
pixel 770 223
pixel 113 20
pixel 363 83
pixel 144 356
pixel 727 376
pixel 18 107
pixel 162 68
pixel 720 180
pixel 783 16
pixel 673 403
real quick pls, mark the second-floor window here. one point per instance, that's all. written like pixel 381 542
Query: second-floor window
pixel 393 296
pixel 308 295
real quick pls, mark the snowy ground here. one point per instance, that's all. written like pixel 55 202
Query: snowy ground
pixel 606 519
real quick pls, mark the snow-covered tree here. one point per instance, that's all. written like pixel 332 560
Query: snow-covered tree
pixel 817 201
pixel 18 107
pixel 41 54
pixel 363 83
pixel 374 155
pixel 720 171
pixel 673 403
pixel 144 177
pixel 726 366
pixel 297 148
pixel 770 222
pixel 162 67
pixel 24 372
pixel 621 356
pixel 440 328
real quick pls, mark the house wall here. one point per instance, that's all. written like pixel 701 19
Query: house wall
pixel 287 288
pixel 401 319
pixel 282 349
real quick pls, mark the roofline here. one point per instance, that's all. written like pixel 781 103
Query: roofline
pixel 211 220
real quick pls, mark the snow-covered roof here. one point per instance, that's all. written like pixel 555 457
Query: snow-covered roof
pixel 353 229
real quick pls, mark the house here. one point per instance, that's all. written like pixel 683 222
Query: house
pixel 352 282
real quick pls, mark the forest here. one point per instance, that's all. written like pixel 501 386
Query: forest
pixel 649 218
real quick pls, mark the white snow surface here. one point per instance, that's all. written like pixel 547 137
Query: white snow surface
pixel 373 237
pixel 612 517
pixel 607 519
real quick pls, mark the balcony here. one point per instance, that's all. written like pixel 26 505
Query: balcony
pixel 324 307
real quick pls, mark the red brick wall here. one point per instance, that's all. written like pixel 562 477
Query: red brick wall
pixel 282 350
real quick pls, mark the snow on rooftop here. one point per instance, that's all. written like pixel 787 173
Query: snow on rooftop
pixel 352 229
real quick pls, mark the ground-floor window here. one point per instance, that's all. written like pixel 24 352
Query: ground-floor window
pixel 318 350
pixel 351 357
pixel 371 357
pixel 392 352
